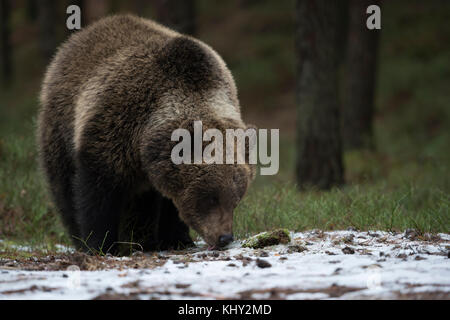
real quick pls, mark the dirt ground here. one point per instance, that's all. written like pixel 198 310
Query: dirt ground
pixel 313 265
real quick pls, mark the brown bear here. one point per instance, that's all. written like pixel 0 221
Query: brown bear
pixel 111 98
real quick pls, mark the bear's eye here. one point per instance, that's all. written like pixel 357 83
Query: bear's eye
pixel 236 178
pixel 213 201
pixel 207 202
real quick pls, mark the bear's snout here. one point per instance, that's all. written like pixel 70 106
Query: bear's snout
pixel 225 239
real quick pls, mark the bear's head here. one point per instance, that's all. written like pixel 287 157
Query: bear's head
pixel 207 202
pixel 205 194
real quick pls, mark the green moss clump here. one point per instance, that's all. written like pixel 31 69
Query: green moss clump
pixel 266 239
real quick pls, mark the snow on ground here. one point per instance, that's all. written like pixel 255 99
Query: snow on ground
pixel 315 265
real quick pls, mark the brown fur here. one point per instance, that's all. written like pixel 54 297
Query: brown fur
pixel 111 98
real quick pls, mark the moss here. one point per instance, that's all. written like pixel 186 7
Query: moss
pixel 269 238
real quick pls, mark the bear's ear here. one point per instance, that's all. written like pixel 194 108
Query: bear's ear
pixel 187 62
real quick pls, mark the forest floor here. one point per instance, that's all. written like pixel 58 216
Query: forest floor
pixel 402 184
pixel 313 265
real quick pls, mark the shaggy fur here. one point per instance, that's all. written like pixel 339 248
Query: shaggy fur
pixel 110 100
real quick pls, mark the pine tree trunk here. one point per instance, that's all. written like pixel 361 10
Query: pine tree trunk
pixel 140 7
pixel 5 34
pixel 319 154
pixel 47 32
pixel 178 15
pixel 95 10
pixel 358 107
pixel 81 4
pixel 32 10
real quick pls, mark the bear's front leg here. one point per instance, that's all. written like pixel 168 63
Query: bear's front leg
pixel 99 203
pixel 173 233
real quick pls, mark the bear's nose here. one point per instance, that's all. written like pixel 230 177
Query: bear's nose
pixel 225 239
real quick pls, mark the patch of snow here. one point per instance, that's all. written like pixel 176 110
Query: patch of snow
pixel 382 265
pixel 64 249
pixel 59 248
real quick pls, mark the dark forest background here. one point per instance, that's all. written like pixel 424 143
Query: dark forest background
pixel 363 114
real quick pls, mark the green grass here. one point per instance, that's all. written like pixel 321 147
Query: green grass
pixel 26 212
pixel 419 203
pixel 404 184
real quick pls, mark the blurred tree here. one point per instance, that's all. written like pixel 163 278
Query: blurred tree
pixel 343 29
pixel 358 107
pixel 178 15
pixel 115 6
pixel 32 9
pixel 5 34
pixel 94 10
pixel 81 4
pixel 140 7
pixel 319 152
pixel 47 28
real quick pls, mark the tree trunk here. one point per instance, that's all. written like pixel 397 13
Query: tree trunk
pixel 81 4
pixel 47 31
pixel 95 10
pixel 358 107
pixel 140 7
pixel 5 34
pixel 319 152
pixel 32 9
pixel 178 15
